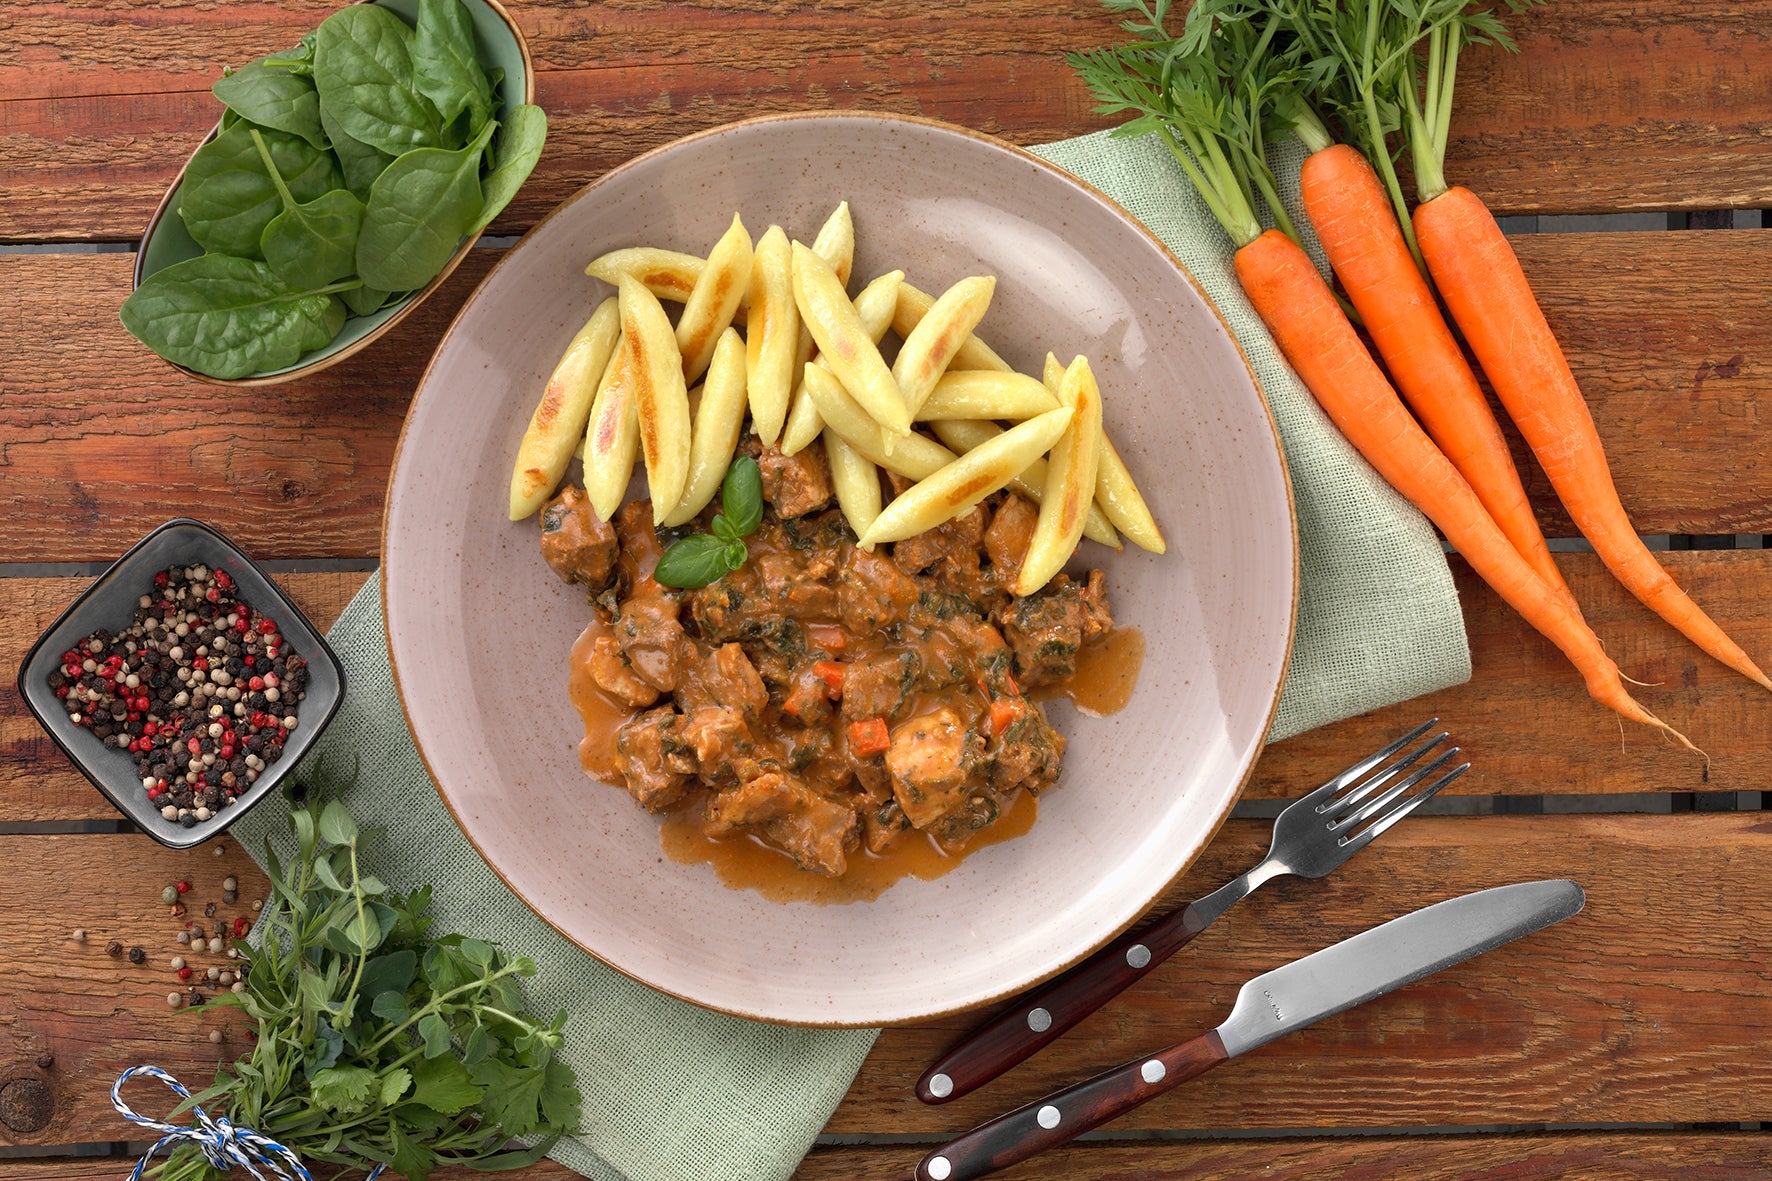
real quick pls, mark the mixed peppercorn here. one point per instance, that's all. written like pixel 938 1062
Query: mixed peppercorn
pixel 201 690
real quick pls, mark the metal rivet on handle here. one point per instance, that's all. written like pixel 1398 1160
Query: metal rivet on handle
pixel 1039 1020
pixel 940 1169
pixel 1048 1116
pixel 1152 1071
pixel 1138 955
pixel 941 1086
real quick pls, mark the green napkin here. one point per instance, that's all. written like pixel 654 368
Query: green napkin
pixel 1378 614
pixel 673 1092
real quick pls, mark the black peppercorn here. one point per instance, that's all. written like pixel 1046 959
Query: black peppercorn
pixel 209 910
pixel 113 949
pixel 137 956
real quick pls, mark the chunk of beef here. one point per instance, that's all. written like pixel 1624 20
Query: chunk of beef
pixel 576 544
pixel 1026 754
pixel 882 823
pixel 1011 532
pixel 808 699
pixel 655 760
pixel 1047 628
pixel 651 637
pixel 873 593
pixel 720 739
pixel 796 484
pixel 818 833
pixel 877 685
pixel 956 538
pixel 723 677
pixel 613 674
pixel 791 588
pixel 822 543
pixel 932 760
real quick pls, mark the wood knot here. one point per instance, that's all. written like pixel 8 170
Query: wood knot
pixel 26 1105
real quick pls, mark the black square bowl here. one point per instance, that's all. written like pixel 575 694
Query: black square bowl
pixel 110 603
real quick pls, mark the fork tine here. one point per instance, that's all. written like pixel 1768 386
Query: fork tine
pixel 1341 804
pixel 1353 773
pixel 1378 827
pixel 1374 807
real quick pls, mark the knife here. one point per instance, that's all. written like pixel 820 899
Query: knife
pixel 1320 985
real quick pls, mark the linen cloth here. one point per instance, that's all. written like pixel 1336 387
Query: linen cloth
pixel 673 1092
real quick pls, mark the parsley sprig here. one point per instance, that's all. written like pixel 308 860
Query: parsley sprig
pixel 378 1041
pixel 702 558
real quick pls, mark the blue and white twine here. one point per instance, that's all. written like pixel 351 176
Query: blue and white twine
pixel 222 1143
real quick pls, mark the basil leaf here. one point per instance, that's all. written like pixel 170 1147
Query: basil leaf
pixel 693 561
pixel 735 554
pixel 741 495
pixel 360 162
pixel 274 97
pixel 520 142
pixel 226 317
pixel 445 65
pixel 228 198
pixel 363 71
pixel 419 209
pixel 722 528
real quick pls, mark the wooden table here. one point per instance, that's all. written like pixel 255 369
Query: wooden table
pixel 1636 1041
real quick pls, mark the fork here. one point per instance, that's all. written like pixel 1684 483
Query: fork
pixel 1312 837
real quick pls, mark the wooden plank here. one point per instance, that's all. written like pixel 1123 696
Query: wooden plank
pixel 1645 1009
pixel 1593 1156
pixel 1524 718
pixel 1610 105
pixel 99 434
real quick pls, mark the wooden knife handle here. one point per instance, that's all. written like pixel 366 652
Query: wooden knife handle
pixel 1039 1015
pixel 1047 1123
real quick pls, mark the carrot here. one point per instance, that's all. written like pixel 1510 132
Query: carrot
pixel 1005 712
pixel 1352 215
pixel 1487 293
pixel 1316 337
pixel 833 675
pixel 1477 272
pixel 869 737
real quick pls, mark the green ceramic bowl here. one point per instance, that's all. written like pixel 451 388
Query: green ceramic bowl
pixel 166 240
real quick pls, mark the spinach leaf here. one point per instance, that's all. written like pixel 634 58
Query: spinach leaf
pixel 331 321
pixel 363 71
pixel 299 60
pixel 360 162
pixel 519 147
pixel 309 245
pixel 228 198
pixel 229 317
pixel 445 65
pixel 274 97
pixel 419 209
pixel 366 301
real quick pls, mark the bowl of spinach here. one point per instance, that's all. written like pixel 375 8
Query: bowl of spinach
pixel 347 177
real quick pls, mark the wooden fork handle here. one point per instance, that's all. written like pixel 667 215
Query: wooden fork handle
pixel 1047 1123
pixel 1039 1015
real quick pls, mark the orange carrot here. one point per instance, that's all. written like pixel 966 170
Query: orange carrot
pixel 1321 344
pixel 868 737
pixel 833 675
pixel 1353 218
pixel 1005 712
pixel 1480 278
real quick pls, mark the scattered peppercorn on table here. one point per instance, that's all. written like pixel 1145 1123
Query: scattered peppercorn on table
pixel 1648 1052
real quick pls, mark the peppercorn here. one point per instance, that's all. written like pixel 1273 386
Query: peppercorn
pixel 230 883
pixel 194 997
pixel 209 910
pixel 169 895
pixel 173 999
pixel 229 897
pixel 137 956
pixel 113 949
pixel 241 926
pixel 178 910
pixel 184 973
pixel 176 963
pixel 215 1035
pixel 79 935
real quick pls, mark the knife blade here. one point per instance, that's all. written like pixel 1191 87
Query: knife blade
pixel 1276 1003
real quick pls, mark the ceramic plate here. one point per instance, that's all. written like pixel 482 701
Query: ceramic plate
pixel 479 627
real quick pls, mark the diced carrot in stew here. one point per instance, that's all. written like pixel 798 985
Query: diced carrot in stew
pixel 832 674
pixel 1004 713
pixel 869 737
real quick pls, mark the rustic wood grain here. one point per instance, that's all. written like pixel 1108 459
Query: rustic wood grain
pixel 100 441
pixel 1592 1021
pixel 1610 105
pixel 1524 718
pixel 1591 1156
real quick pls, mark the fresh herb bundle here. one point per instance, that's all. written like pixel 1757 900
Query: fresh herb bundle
pixel 702 558
pixel 345 174
pixel 377 1041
